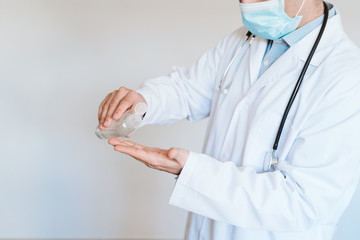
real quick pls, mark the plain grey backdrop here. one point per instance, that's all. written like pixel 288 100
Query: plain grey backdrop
pixel 58 60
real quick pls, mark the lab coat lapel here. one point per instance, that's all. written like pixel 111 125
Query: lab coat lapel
pixel 293 59
pixel 257 50
pixel 334 33
pixel 286 64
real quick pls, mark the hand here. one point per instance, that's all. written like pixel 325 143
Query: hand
pixel 171 161
pixel 115 104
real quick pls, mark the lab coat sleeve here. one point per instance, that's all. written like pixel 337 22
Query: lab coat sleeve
pixel 313 185
pixel 186 93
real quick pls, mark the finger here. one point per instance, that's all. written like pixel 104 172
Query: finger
pixel 145 155
pixel 119 141
pixel 134 152
pixel 126 103
pixel 101 106
pixel 134 144
pixel 105 110
pixel 101 111
pixel 115 141
pixel 119 95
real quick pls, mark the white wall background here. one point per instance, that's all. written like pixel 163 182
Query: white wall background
pixel 58 60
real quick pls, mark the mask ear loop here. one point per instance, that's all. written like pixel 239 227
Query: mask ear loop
pixel 302 5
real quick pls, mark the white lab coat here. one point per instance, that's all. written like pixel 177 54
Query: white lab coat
pixel 225 188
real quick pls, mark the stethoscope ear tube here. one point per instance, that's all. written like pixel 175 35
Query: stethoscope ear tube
pixel 301 77
pixel 225 89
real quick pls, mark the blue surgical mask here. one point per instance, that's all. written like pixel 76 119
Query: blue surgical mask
pixel 268 19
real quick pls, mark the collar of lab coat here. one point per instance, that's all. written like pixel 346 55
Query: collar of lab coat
pixel 292 60
pixel 334 33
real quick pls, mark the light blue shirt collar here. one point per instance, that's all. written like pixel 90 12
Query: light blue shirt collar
pixel 292 38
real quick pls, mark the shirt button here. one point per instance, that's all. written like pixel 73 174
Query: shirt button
pixel 266 63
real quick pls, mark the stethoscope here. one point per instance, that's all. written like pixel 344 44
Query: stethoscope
pixel 271 159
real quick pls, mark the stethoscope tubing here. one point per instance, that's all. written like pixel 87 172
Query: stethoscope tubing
pixel 220 86
pixel 301 78
pixel 273 160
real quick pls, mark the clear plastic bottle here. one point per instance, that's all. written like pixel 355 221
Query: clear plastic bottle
pixel 126 125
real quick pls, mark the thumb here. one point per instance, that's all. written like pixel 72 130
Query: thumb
pixel 172 153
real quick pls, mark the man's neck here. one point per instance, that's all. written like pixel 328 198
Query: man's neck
pixel 311 11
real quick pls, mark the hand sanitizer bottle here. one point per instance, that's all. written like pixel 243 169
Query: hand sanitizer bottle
pixel 126 125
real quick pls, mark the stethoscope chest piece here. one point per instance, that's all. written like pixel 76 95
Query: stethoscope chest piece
pixel 270 162
pixel 224 91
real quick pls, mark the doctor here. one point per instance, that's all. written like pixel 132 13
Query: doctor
pixel 244 85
